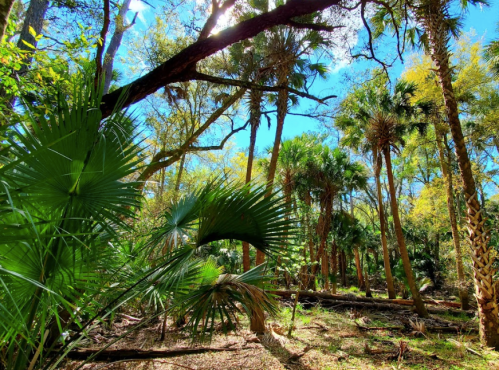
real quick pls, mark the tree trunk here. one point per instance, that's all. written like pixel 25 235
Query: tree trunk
pixel 282 110
pixel 115 43
pixel 308 280
pixel 451 209
pixel 255 114
pixel 343 257
pixel 481 252
pixel 179 178
pixel 382 227
pixel 418 302
pixel 358 265
pixel 5 7
pixel 35 16
pixel 324 227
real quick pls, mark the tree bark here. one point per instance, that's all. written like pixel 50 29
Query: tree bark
pixel 451 209
pixel 434 21
pixel 418 302
pixel 382 226
pixel 5 7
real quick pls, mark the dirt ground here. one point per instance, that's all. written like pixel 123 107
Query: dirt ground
pixel 322 339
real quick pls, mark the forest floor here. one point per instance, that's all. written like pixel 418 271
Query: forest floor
pixel 322 339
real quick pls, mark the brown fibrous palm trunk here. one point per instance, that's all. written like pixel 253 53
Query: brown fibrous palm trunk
pixel 433 17
pixel 382 226
pixel 451 209
pixel 418 302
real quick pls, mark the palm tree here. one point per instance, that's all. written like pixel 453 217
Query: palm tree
pixel 252 61
pixel 354 122
pixel 285 49
pixel 63 204
pixel 436 27
pixel 383 117
pixel 329 172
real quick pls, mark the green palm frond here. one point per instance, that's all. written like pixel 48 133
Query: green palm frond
pixel 218 299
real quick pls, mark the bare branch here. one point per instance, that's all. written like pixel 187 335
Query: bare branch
pixel 174 155
pixel 313 26
pixel 250 85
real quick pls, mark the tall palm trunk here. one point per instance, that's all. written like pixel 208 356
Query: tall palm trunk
pixel 358 267
pixel 282 110
pixel 255 113
pixel 451 209
pixel 309 280
pixel 481 251
pixel 382 226
pixel 324 227
pixel 418 302
pixel 5 7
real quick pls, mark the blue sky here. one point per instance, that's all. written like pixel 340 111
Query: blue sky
pixel 483 21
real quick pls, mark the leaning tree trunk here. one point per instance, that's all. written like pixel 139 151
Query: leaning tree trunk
pixel 255 114
pixel 115 43
pixel 481 252
pixel 5 7
pixel 418 302
pixel 282 110
pixel 382 226
pixel 451 209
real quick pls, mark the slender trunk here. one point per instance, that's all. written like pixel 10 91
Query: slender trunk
pixel 481 252
pixel 324 227
pixel 179 177
pixel 451 209
pixel 358 265
pixel 308 280
pixel 382 228
pixel 282 110
pixel 115 43
pixel 343 257
pixel 418 302
pixel 334 264
pixel 5 7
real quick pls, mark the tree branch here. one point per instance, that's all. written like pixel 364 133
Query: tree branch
pixel 174 155
pixel 250 85
pixel 312 26
pixel 176 68
pixel 211 22
pixel 101 43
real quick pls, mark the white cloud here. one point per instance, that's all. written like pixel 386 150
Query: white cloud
pixel 139 7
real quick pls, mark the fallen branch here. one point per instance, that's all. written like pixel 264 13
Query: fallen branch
pixel 440 329
pixel 121 354
pixel 340 297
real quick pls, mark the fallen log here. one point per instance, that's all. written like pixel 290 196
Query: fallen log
pixel 338 300
pixel 120 354
pixel 351 297
pixel 439 329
